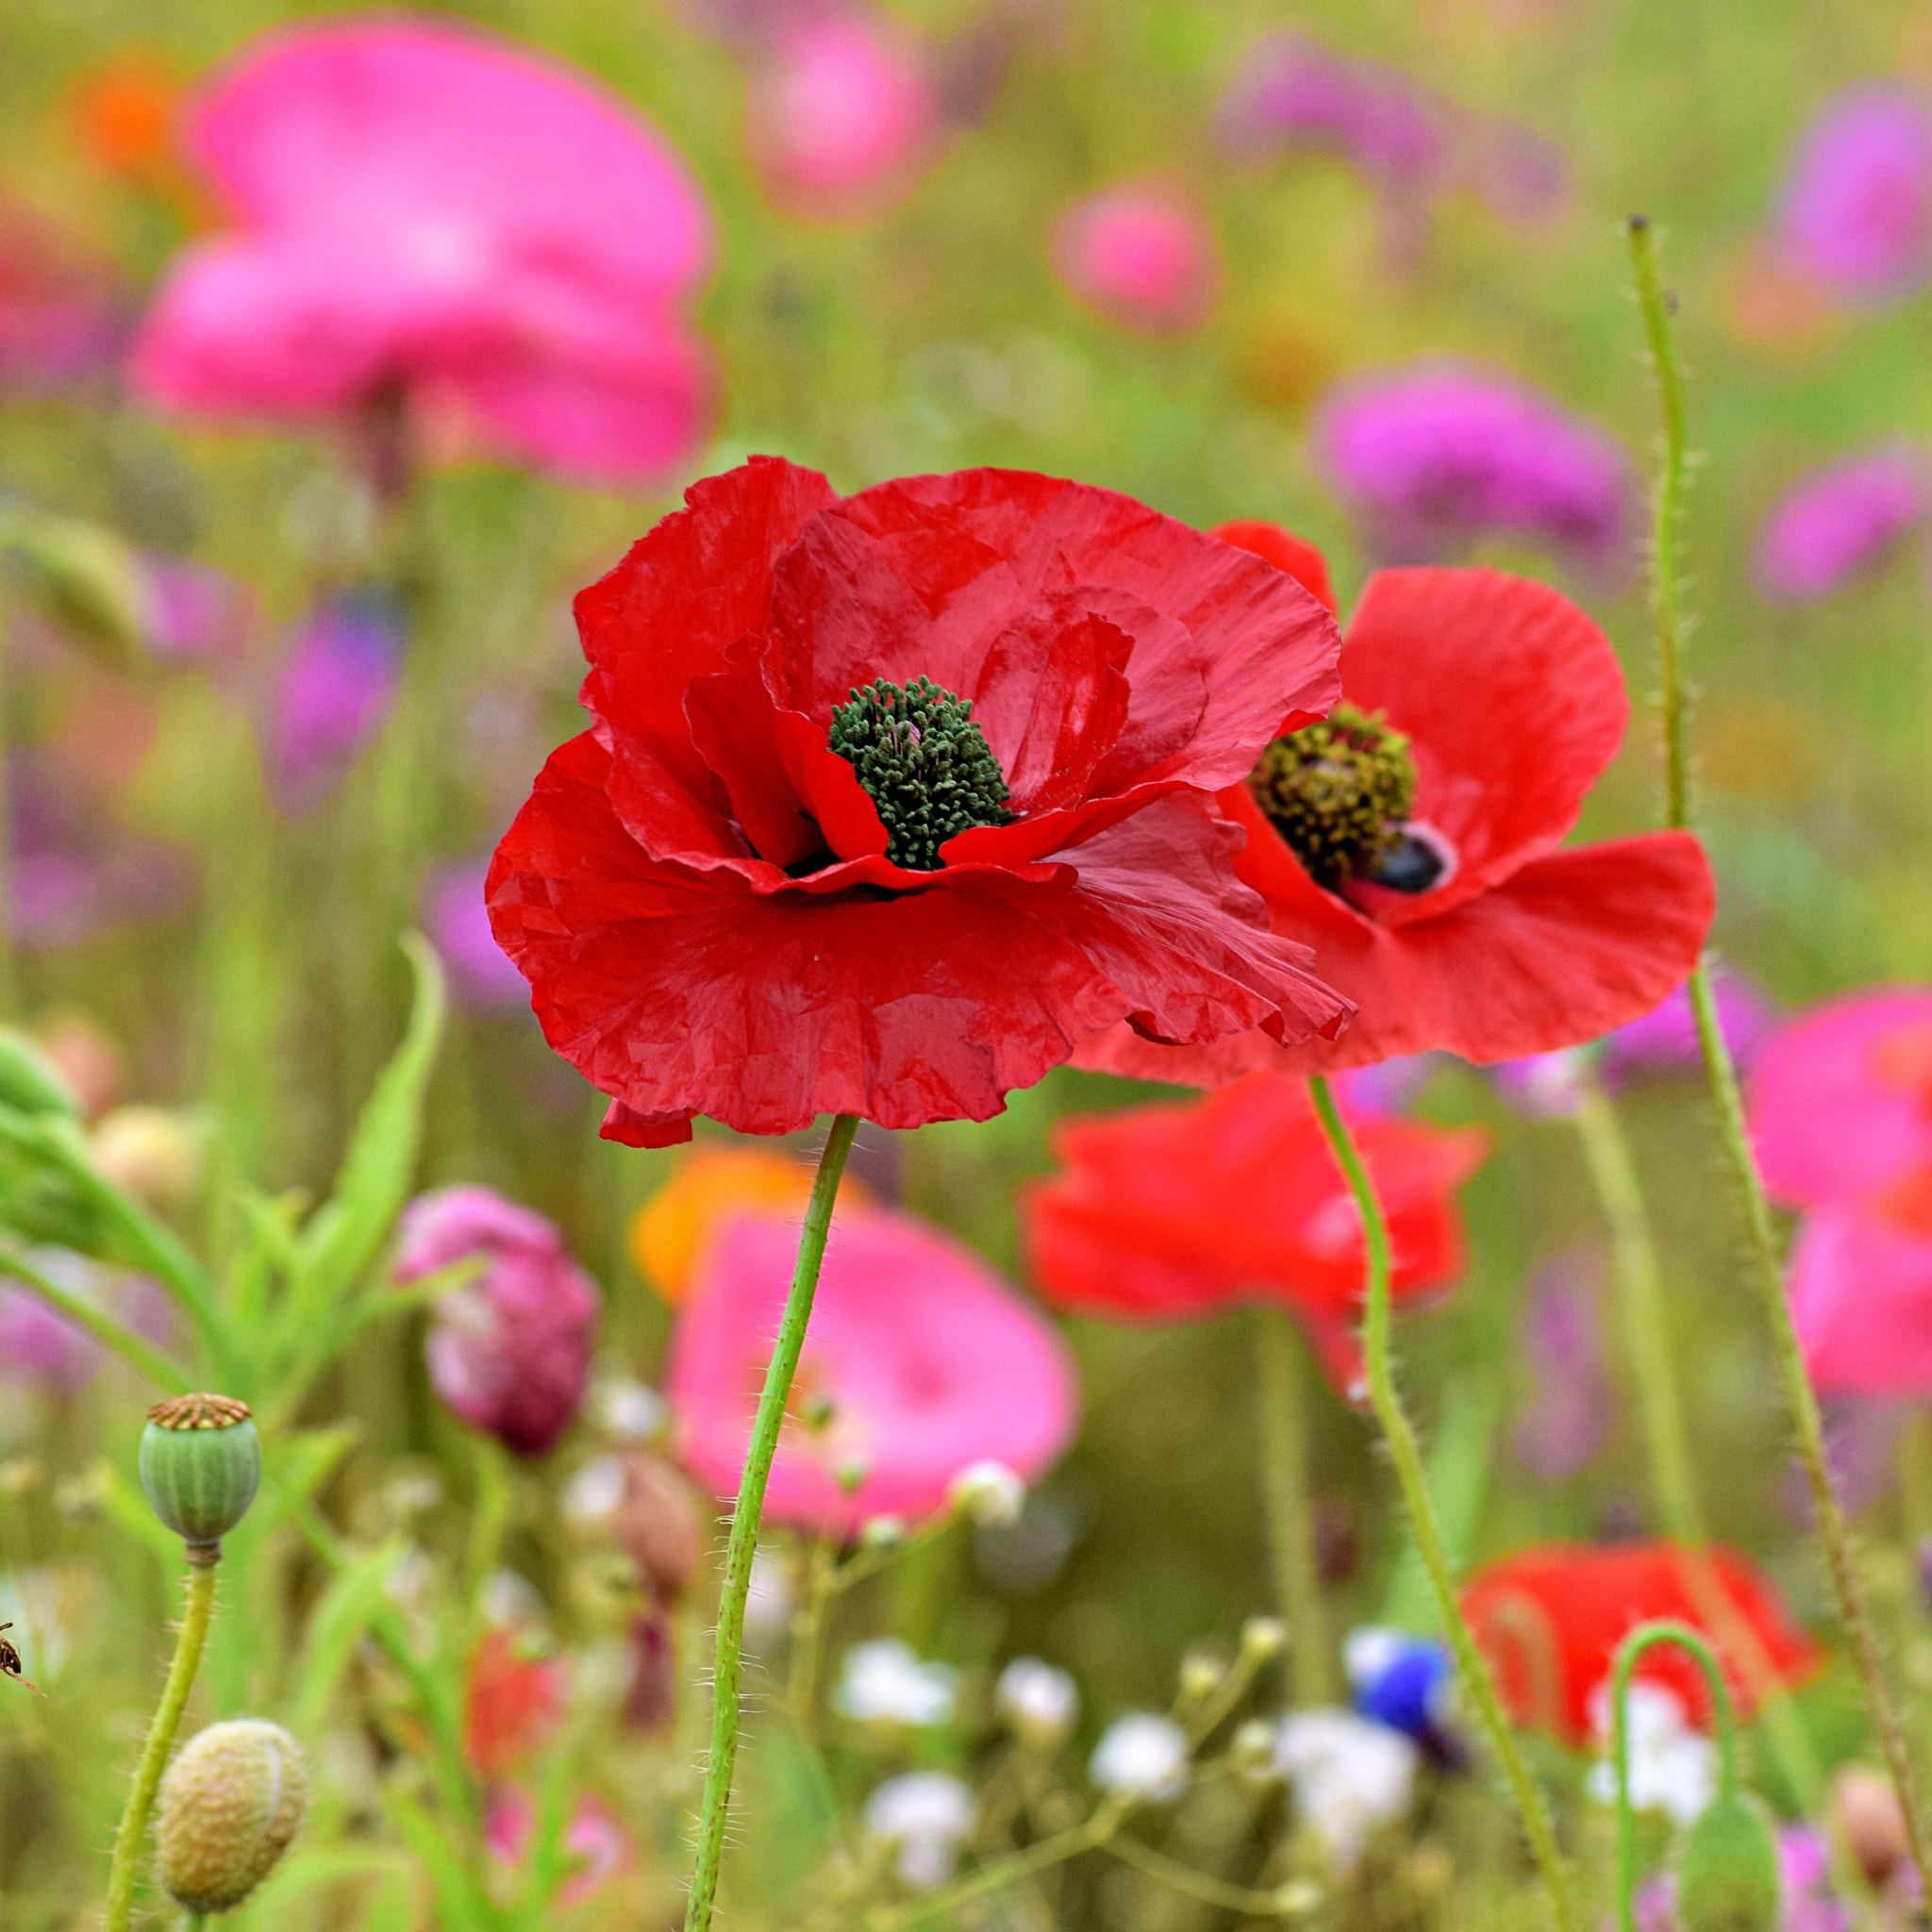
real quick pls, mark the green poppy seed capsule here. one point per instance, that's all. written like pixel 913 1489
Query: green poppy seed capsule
pixel 1728 1875
pixel 229 1805
pixel 200 1464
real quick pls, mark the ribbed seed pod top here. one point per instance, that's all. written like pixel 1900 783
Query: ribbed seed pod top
pixel 230 1804
pixel 200 1466
pixel 1728 1868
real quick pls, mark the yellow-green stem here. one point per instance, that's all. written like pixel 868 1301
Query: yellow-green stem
pixel 1405 1452
pixel 742 1542
pixel 1291 1520
pixel 1766 1258
pixel 160 1741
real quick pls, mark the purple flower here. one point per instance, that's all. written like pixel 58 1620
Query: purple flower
pixel 1665 1038
pixel 333 693
pixel 1838 522
pixel 36 1344
pixel 510 1352
pixel 1568 1421
pixel 1388 1087
pixel 458 924
pixel 1855 216
pixel 1542 1086
pixel 1804 1857
pixel 191 610
pixel 1435 455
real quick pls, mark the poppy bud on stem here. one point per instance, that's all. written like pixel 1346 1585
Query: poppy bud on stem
pixel 743 1542
pixel 1722 1076
pixel 200 1462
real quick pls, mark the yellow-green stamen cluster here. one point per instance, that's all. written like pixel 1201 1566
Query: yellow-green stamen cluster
pixel 1337 791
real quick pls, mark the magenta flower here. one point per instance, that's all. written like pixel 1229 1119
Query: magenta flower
pixel 595 1838
pixel 332 694
pixel 842 109
pixel 926 1359
pixel 1855 215
pixel 1664 1040
pixel 421 210
pixel 1841 521
pixel 510 1352
pixel 38 1345
pixel 1435 455
pixel 191 612
pixel 457 921
pixel 1569 1418
pixel 1143 254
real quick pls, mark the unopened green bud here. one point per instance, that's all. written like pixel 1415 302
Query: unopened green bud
pixel 200 1465
pixel 1256 1751
pixel 229 1805
pixel 1727 1869
pixel 1200 1675
pixel 30 1083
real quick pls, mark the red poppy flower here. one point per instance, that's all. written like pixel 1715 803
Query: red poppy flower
pixel 1550 1619
pixel 512 1701
pixel 1468 928
pixel 782 877
pixel 1166 1213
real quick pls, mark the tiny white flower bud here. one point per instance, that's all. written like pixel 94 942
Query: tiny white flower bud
pixel 1037 1702
pixel 990 1492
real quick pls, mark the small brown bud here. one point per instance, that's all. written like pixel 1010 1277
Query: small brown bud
pixel 658 1524
pixel 1869 1820
pixel 229 1805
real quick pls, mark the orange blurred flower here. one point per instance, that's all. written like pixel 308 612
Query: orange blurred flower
pixel 124 110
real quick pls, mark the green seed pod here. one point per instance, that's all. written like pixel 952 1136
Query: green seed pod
pixel 29 1081
pixel 230 1804
pixel 1727 1879
pixel 200 1463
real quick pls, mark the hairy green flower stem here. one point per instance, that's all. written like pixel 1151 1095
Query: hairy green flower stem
pixel 132 1835
pixel 1720 1075
pixel 1647 1636
pixel 1405 1452
pixel 742 1542
pixel 1291 1519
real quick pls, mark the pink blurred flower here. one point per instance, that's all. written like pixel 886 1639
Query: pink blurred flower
pixel 594 1839
pixel 1143 254
pixel 1862 1300
pixel 38 1345
pixel 1568 1421
pixel 929 1363
pixel 1840 521
pixel 62 318
pixel 1855 214
pixel 457 921
pixel 842 109
pixel 1434 454
pixel 510 1352
pixel 1665 1038
pixel 192 611
pixel 332 694
pixel 420 208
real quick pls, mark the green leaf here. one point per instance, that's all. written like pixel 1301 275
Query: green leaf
pixel 350 1604
pixel 293 1469
pixel 84 575
pixel 344 1236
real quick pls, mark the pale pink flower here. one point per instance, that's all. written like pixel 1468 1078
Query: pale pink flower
pixel 456 918
pixel 1141 254
pixel 594 1841
pixel 422 211
pixel 919 1362
pixel 1840 521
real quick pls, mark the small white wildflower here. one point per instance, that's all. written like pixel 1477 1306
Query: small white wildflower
pixel 1348 1776
pixel 413 1493
pixel 508 1598
pixel 926 1816
pixel 1672 1766
pixel 990 1492
pixel 887 1682
pixel 1368 1650
pixel 768 1605
pixel 632 1411
pixel 410 1580
pixel 594 1491
pixel 1039 1702
pixel 1143 1755
pixel 882 1532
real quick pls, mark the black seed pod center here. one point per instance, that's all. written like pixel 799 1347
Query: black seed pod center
pixel 923 762
pixel 1339 791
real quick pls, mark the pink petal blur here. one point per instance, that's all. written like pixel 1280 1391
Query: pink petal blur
pixel 1838 522
pixel 1141 255
pixel 1861 1301
pixel 457 921
pixel 422 207
pixel 930 1361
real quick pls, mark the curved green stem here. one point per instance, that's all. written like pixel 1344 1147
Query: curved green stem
pixel 1646 1637
pixel 160 1741
pixel 1290 1901
pixel 1291 1520
pixel 1720 1075
pixel 743 1542
pixel 1406 1454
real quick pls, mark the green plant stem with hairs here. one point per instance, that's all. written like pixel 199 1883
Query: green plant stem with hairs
pixel 132 1835
pixel 1290 1518
pixel 1766 1258
pixel 742 1542
pixel 1406 1454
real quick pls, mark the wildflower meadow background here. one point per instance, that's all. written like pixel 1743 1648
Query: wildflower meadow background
pixel 340 352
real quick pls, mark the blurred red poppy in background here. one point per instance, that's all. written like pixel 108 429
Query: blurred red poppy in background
pixel 1171 1213
pixel 1550 1619
pixel 1480 710
pixel 513 1701
pixel 893 800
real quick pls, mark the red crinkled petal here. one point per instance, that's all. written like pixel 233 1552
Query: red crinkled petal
pixel 1515 702
pixel 681 992
pixel 1287 552
pixel 1566 949
pixel 960 578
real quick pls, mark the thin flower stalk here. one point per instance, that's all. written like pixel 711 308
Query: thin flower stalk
pixel 1720 1075
pixel 1405 1452
pixel 1290 1518
pixel 742 1542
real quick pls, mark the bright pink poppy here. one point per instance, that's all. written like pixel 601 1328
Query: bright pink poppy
pixel 920 1360
pixel 420 210
pixel 594 1841
pixel 1143 254
pixel 1173 1213
pixel 1861 1301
